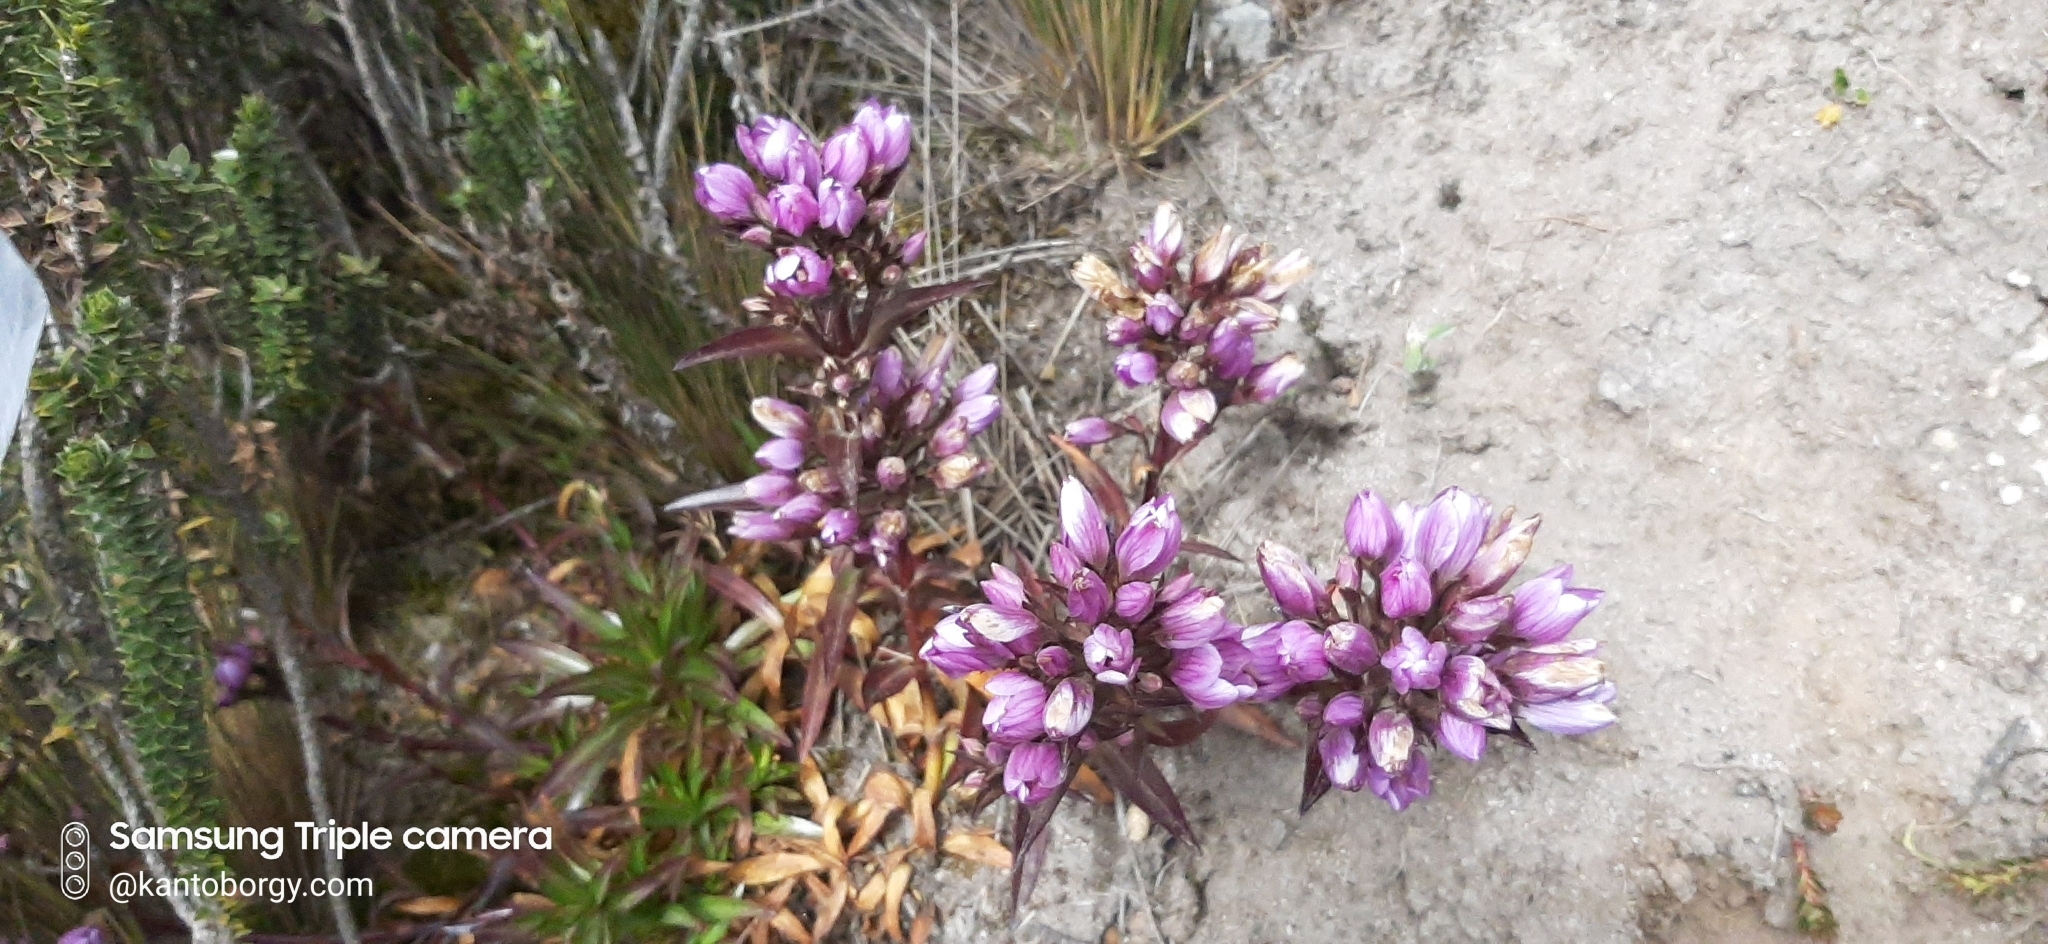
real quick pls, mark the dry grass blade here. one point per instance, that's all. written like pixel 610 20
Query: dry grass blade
pixel 1122 57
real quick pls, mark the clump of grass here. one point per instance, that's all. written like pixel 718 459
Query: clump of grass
pixel 1119 59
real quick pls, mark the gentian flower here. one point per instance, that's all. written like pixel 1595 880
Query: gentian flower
pixel 727 193
pixel 1421 646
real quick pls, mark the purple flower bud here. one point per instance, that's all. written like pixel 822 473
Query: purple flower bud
pixel 87 934
pixel 1263 661
pixel 913 248
pixel 1415 662
pixel 1165 236
pixel 1350 647
pixel 801 168
pixel 1082 527
pixel 1346 710
pixel 1582 714
pixel 1120 331
pixel 1497 562
pixel 1136 368
pixel 1187 414
pixel 782 418
pixel 803 509
pixel 951 438
pixel 1032 772
pixel 769 144
pixel 1547 608
pixel 1401 789
pixel 1193 620
pixel 760 237
pixel 1232 351
pixel 1198 673
pixel 1150 542
pixel 726 192
pixel 1004 588
pixel 891 473
pixel 957 650
pixel 919 407
pixel 1463 739
pixel 797 272
pixel 846 157
pixel 1002 624
pixel 782 455
pixel 979 383
pixel 1134 600
pixel 931 368
pixel 887 132
pixel 1271 381
pixel 1176 588
pixel 840 207
pixel 792 209
pixel 1343 764
pixel 1162 315
pixel 887 384
pixel 1302 653
pixel 1109 653
pixel 1347 573
pixel 1452 527
pixel 891 527
pixel 231 673
pixel 1288 578
pixel 761 526
pixel 978 412
pixel 770 489
pixel 1391 738
pixel 1474 692
pixel 1538 674
pixel 1092 431
pixel 1087 598
pixel 1054 661
pixel 1069 708
pixel 1016 707
pixel 839 526
pixel 1404 588
pixel 959 471
pixel 1283 274
pixel 1472 621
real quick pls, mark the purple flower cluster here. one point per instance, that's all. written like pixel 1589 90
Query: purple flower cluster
pixel 237 663
pixel 1192 324
pixel 1110 638
pixel 1414 642
pixel 905 426
pixel 813 200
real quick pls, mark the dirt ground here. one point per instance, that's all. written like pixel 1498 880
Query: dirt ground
pixel 1778 388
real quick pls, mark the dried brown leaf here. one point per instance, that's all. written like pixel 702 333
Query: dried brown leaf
pixel 892 901
pixel 790 927
pixel 773 867
pixel 431 906
pixel 924 830
pixel 981 848
pixel 870 898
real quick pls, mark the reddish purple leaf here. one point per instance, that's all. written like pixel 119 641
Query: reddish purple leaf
pixel 1211 550
pixel 1131 772
pixel 742 592
pixel 886 679
pixel 898 307
pixel 1314 782
pixel 1028 840
pixel 753 342
pixel 822 675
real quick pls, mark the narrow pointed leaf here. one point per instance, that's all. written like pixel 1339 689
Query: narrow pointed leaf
pixel 724 498
pixel 1314 782
pixel 742 593
pixel 822 675
pixel 1030 835
pixel 886 679
pixel 753 342
pixel 1204 547
pixel 1131 772
pixel 899 307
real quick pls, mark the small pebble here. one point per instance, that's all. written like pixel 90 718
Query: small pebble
pixel 2029 424
pixel 1994 460
pixel 2041 469
pixel 2018 279
pixel 2015 604
pixel 1137 825
pixel 1943 485
pixel 2011 494
pixel 1945 440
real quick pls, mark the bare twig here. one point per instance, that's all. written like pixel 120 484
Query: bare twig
pixel 726 35
pixel 1953 128
pixel 1049 371
pixel 360 48
pixel 654 228
pixel 672 96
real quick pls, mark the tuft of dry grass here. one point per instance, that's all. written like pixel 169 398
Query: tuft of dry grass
pixel 1119 60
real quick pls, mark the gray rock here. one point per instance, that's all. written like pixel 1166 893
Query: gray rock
pixel 1241 32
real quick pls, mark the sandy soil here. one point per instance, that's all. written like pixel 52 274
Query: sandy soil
pixel 1769 383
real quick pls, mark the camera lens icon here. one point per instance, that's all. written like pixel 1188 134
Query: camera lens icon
pixel 77 847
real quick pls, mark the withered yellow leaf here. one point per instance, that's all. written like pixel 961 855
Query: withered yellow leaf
pixel 978 847
pixel 430 906
pixel 773 867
